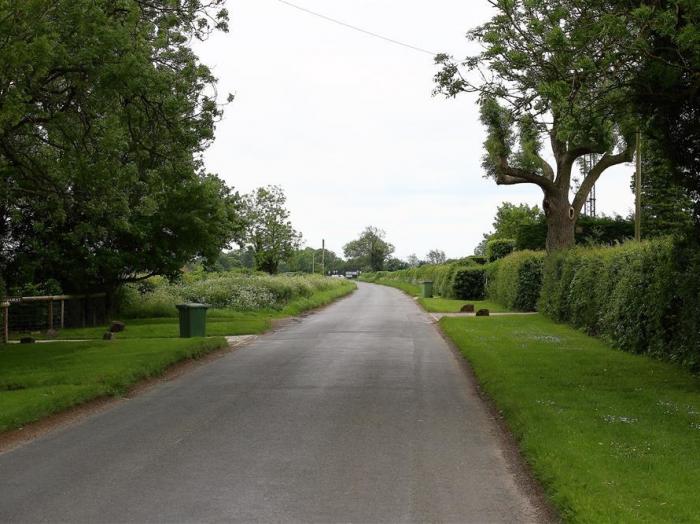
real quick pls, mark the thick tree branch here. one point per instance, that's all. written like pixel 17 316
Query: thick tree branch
pixel 508 175
pixel 606 161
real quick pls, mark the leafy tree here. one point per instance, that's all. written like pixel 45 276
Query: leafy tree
pixel 666 206
pixel 507 223
pixel 269 233
pixel 104 114
pixel 436 256
pixel 413 260
pixel 370 247
pixel 395 264
pixel 547 70
pixel 666 84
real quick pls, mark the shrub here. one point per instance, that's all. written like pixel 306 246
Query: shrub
pixel 231 290
pixel 642 297
pixel 499 248
pixel 468 283
pixel 516 280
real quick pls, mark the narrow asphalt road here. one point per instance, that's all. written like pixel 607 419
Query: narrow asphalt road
pixel 358 413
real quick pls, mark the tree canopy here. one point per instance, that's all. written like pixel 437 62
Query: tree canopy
pixel 104 114
pixel 268 231
pixel 371 247
pixel 547 69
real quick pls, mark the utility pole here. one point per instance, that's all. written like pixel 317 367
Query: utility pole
pixel 323 256
pixel 638 191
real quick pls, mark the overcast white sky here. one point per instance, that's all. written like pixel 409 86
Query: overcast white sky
pixel 346 123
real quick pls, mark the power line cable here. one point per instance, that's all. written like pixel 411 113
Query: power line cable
pixel 355 28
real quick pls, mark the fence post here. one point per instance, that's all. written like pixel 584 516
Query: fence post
pixel 5 306
pixel 51 314
pixel 63 312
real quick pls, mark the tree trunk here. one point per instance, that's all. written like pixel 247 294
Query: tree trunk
pixel 561 221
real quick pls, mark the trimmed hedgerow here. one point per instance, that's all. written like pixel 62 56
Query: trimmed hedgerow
pixel 515 281
pixel 499 248
pixel 442 276
pixel 468 283
pixel 642 297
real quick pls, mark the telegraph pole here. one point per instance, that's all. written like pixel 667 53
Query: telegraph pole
pixel 638 191
pixel 323 256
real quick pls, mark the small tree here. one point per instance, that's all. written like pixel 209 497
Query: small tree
pixel 548 70
pixel 269 233
pixel 371 247
pixel 413 260
pixel 436 256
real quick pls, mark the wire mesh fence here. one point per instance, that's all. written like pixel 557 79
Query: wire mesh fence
pixel 41 314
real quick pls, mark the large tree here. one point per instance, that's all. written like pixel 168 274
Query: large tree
pixel 666 84
pixel 547 70
pixel 371 247
pixel 269 232
pixel 104 114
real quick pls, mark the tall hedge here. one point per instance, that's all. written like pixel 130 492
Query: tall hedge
pixel 468 283
pixel 515 280
pixel 442 276
pixel 642 297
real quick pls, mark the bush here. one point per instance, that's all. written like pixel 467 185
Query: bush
pixel 499 248
pixel 442 276
pixel 230 290
pixel 589 230
pixel 642 297
pixel 468 283
pixel 515 281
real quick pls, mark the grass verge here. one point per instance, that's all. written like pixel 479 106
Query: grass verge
pixel 613 437
pixel 41 379
pixel 220 322
pixel 438 304
pixel 448 305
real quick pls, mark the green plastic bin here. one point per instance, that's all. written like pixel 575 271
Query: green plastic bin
pixel 193 320
pixel 426 289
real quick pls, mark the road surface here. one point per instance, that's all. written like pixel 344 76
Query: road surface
pixel 357 413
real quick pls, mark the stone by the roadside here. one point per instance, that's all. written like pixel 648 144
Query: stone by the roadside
pixel 482 313
pixel 27 340
pixel 117 326
pixel 467 308
pixel 109 335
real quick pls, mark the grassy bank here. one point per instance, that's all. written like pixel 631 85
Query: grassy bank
pixel 613 437
pixel 220 322
pixel 42 379
pixel 438 304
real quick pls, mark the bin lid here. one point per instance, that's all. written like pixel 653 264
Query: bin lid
pixel 426 281
pixel 192 305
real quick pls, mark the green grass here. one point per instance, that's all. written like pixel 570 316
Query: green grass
pixel 448 305
pixel 220 322
pixel 613 437
pixel 40 379
pixel 437 304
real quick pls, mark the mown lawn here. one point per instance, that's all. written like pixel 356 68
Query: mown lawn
pixel 40 379
pixel 614 437
pixel 220 322
pixel 448 305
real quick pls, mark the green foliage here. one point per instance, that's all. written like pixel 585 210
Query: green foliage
pixel 601 230
pixel 554 73
pixel 644 298
pixel 515 281
pixel 269 233
pixel 666 206
pixel 499 248
pixel 442 276
pixel 371 248
pixel 105 112
pixel 235 291
pixel 468 283
pixel 613 437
